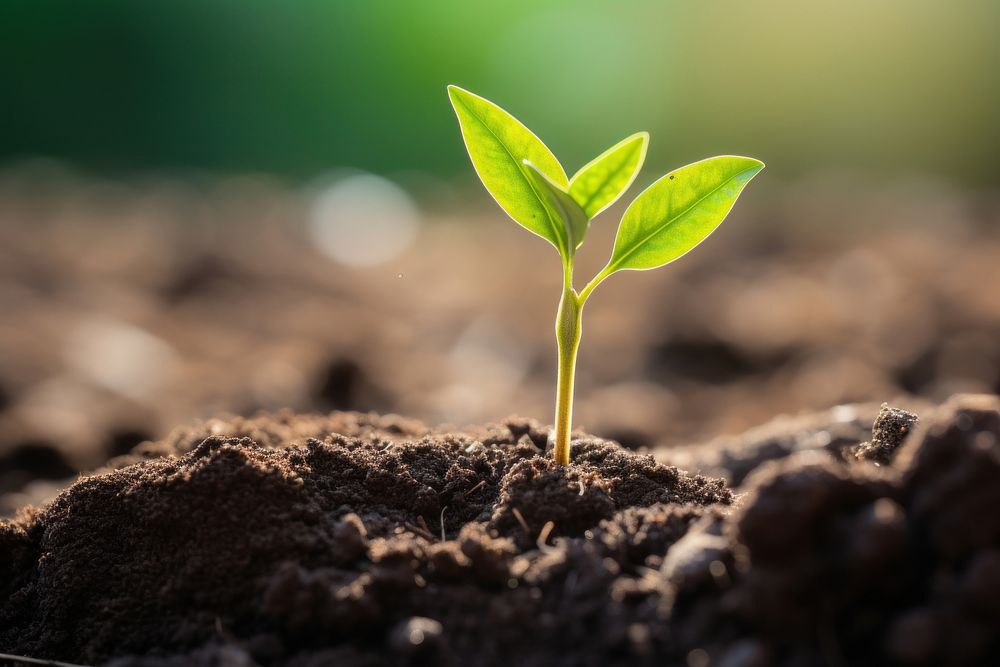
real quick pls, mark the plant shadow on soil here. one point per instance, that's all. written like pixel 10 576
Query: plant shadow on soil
pixel 355 539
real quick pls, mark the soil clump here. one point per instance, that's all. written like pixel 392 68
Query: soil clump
pixel 355 539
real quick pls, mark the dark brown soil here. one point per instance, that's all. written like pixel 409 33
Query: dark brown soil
pixel 889 431
pixel 129 308
pixel 294 547
pixel 354 539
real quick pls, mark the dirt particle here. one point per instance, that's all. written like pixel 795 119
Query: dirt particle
pixel 890 430
pixel 350 539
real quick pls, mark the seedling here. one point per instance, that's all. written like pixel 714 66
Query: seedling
pixel 664 222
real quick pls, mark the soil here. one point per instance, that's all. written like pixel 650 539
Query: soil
pixel 127 309
pixel 357 539
pixel 888 432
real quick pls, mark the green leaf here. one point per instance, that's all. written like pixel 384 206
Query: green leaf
pixel 679 211
pixel 559 205
pixel 604 179
pixel 498 145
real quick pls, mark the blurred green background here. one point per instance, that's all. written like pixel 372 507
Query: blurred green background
pixel 297 88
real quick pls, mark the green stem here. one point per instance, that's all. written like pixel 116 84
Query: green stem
pixel 592 285
pixel 568 332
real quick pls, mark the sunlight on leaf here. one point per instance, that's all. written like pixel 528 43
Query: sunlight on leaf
pixel 560 206
pixel 498 145
pixel 679 211
pixel 604 179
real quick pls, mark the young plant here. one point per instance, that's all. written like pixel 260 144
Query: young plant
pixel 664 222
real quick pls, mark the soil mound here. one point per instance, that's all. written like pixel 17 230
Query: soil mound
pixel 361 540
pixel 288 543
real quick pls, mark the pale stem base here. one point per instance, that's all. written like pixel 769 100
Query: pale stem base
pixel 568 331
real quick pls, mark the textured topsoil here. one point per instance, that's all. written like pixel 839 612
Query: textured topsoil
pixel 128 308
pixel 361 540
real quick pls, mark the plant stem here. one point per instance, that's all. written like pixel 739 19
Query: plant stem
pixel 568 332
pixel 592 285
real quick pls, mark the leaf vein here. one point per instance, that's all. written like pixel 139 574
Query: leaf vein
pixel 555 228
pixel 671 221
pixel 609 177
